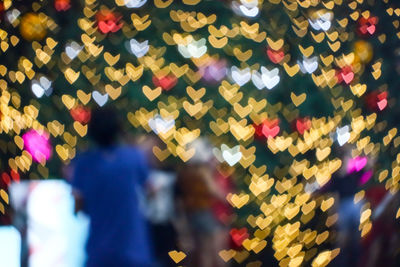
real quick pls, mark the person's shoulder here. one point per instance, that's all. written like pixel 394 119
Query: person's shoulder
pixel 130 150
pixel 84 156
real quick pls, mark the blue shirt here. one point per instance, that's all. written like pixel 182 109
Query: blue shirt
pixel 108 180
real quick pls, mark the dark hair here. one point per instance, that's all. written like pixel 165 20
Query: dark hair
pixel 104 126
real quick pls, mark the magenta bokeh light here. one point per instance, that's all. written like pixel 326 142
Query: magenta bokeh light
pixel 356 164
pixel 37 144
pixel 365 177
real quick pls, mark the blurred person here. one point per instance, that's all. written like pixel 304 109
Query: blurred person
pixel 106 179
pixel 345 184
pixel 222 210
pixel 160 212
pixel 159 202
pixel 196 196
pixel 223 177
pixel 382 242
pixel 349 235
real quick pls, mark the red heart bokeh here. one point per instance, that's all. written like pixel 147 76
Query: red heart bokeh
pixel 376 101
pixel 270 128
pixel 107 21
pixel 367 25
pixel 275 56
pixel 302 125
pixel 62 5
pixel 239 235
pixel 346 75
pixel 165 82
pixel 80 114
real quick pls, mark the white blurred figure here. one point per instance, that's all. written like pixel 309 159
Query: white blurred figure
pixel 160 203
pixel 55 236
pixel 10 246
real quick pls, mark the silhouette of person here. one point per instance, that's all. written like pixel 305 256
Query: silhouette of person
pixel 105 180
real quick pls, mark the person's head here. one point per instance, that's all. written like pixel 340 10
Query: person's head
pixel 104 126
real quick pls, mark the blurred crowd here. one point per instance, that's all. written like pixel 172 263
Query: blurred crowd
pixel 141 208
pixel 186 206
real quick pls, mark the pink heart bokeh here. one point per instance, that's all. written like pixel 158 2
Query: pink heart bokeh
pixel 356 164
pixel 37 144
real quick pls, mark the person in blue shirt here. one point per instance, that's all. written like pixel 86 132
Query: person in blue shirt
pixel 106 180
